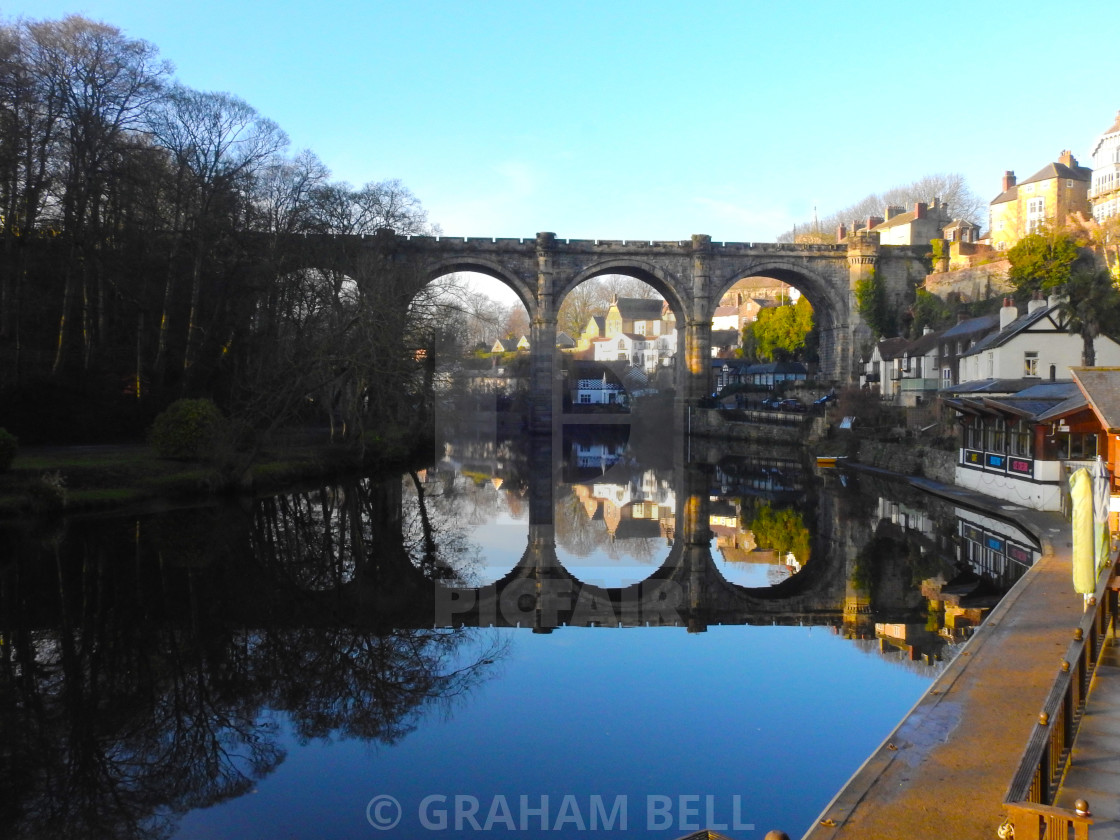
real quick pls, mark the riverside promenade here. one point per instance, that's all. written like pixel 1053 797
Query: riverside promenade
pixel 943 772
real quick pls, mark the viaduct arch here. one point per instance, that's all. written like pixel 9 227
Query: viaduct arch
pixel 691 274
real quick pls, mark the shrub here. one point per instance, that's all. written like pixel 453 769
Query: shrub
pixel 188 429
pixel 8 446
pixel 48 493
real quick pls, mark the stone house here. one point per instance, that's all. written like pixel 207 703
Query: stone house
pixel 596 327
pixel 915 227
pixel 635 315
pixel 1046 198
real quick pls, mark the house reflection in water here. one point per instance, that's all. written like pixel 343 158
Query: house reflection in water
pixel 641 507
pixel 991 555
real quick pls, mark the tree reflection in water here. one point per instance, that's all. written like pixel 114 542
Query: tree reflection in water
pixel 146 665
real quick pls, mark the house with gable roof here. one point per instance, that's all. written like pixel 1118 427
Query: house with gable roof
pixel 914 227
pixel 1034 345
pixel 882 369
pixel 1047 197
pixel 510 345
pixel 642 316
pixel 958 340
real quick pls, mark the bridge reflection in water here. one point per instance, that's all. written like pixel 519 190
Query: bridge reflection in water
pixel 890 570
pixel 145 660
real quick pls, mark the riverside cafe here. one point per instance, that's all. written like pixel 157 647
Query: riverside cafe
pixel 1022 439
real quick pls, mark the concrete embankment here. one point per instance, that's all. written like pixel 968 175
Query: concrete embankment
pixel 943 772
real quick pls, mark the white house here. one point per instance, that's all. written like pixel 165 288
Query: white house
pixel 638 350
pixel 1032 345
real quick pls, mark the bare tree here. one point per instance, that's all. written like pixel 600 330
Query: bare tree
pixel 216 142
pixel 949 188
pixel 104 83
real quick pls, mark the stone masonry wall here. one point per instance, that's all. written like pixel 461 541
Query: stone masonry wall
pixel 908 459
pixel 979 283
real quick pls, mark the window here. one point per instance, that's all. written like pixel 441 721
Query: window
pixel 947 375
pixel 1036 214
pixel 994 436
pixel 991 365
pixel 1020 438
pixel 585 398
pixel 974 435
pixel 1030 363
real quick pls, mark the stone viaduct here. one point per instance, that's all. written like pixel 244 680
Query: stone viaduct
pixel 691 275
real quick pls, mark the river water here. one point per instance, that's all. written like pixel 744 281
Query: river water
pixel 591 638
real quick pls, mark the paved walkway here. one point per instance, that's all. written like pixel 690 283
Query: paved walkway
pixel 944 771
pixel 1095 771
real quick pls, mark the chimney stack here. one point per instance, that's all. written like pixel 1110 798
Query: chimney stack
pixel 1067 158
pixel 841 232
pixel 1008 180
pixel 1007 313
pixel 1037 302
pixel 920 210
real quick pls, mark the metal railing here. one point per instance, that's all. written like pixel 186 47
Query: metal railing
pixel 1030 799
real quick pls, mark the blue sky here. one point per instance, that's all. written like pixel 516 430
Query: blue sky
pixel 648 120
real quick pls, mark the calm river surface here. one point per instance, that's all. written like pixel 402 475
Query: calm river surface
pixel 678 642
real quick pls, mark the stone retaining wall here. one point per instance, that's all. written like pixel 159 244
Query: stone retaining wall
pixel 979 283
pixel 910 459
pixel 710 423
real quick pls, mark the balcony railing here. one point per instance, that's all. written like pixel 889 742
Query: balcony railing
pixel 931 384
pixel 1030 798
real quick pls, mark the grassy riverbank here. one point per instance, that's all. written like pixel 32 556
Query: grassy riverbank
pixel 52 479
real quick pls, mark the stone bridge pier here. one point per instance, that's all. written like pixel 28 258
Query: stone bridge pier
pixel 692 275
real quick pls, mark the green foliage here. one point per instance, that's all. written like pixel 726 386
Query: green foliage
pixel 9 445
pixel 781 333
pixel 871 300
pixel 1053 261
pixel 188 429
pixel 928 311
pixel 782 530
pixel 1092 303
pixel 1042 261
